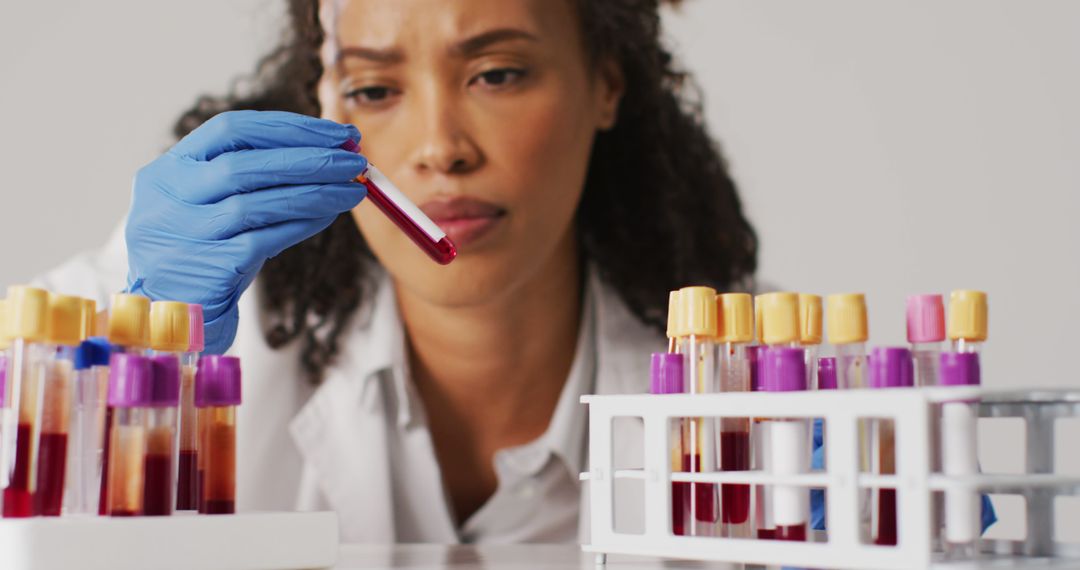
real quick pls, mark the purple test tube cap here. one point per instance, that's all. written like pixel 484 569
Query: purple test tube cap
pixel 826 373
pixel 666 373
pixel 3 379
pixel 130 380
pixel 784 369
pixel 891 367
pixel 165 386
pixel 753 357
pixel 217 381
pixel 960 369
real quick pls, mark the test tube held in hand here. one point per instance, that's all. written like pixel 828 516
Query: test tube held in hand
pixel 217 394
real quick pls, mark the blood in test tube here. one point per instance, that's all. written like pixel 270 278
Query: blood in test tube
pixel 890 367
pixel 187 497
pixel 64 315
pixel 106 448
pixel 735 326
pixel 667 377
pixel 789 444
pixel 30 353
pixel 160 460
pixel 130 385
pixel 405 215
pixel 735 456
pixel 217 394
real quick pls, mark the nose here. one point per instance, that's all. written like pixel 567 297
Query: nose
pixel 446 145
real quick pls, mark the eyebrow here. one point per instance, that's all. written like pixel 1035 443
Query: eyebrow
pixel 466 47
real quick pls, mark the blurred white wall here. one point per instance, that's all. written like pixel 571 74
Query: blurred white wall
pixel 888 147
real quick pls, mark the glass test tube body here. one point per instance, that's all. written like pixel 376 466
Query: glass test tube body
pixel 789 451
pixel 680 490
pixel 851 373
pixel 187 493
pixel 217 460
pixel 126 468
pixel 53 442
pixel 927 356
pixel 106 454
pixel 964 345
pixel 699 445
pixel 86 440
pixel 959 458
pixel 159 466
pixel 734 370
pixel 883 503
pixel 27 365
pixel 762 460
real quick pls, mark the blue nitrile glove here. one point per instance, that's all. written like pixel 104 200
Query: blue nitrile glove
pixel 235 192
pixel 817 496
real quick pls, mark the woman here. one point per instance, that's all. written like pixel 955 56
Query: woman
pixel 553 141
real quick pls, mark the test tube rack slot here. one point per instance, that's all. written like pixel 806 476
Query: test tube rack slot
pixel 267 541
pixel 844 546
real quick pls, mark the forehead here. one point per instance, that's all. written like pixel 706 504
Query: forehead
pixel 405 23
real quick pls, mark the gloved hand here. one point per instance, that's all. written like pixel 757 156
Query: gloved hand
pixel 235 192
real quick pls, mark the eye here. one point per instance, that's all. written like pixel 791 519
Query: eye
pixel 499 77
pixel 369 95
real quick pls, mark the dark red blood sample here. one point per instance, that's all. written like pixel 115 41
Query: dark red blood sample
pixel 886 519
pixel 735 456
pixel 766 533
pixel 157 488
pixel 187 491
pixel 18 502
pixel 103 496
pixel 704 493
pixel 118 513
pixel 52 464
pixel 795 533
pixel 199 477
pixel 680 501
pixel 219 507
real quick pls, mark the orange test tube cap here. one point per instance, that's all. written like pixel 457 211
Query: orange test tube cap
pixel 779 316
pixel 65 319
pixel 697 308
pixel 968 315
pixel 87 318
pixel 129 320
pixel 845 318
pixel 170 327
pixel 809 318
pixel 736 317
pixel 674 323
pixel 27 313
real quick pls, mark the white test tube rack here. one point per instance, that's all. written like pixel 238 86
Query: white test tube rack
pixel 845 546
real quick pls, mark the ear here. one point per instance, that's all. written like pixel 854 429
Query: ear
pixel 609 86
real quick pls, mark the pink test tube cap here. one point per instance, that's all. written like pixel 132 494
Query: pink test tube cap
pixel 925 318
pixel 197 329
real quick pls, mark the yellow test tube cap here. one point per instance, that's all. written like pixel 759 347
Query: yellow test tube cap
pixel 27 313
pixel 779 315
pixel 674 323
pixel 697 311
pixel 65 319
pixel 809 318
pixel 968 315
pixel 87 318
pixel 129 320
pixel 169 326
pixel 736 317
pixel 845 318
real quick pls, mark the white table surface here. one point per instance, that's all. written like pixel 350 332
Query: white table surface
pixel 492 557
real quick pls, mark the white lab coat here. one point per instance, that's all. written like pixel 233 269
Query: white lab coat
pixel 296 443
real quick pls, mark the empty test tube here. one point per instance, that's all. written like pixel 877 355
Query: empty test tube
pixel 64 316
pixel 667 376
pixel 161 423
pixel 890 367
pixel 736 331
pixel 130 379
pixel 87 427
pixel 959 422
pixel 788 446
pixel 217 394
pixel 968 325
pixel 30 354
pixel 187 494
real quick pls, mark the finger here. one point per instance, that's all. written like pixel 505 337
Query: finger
pixel 264 243
pixel 244 212
pixel 246 130
pixel 251 170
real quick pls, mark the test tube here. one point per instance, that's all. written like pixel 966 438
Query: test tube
pixel 64 318
pixel 5 346
pixel 777 324
pixel 128 330
pixel 187 497
pixel 959 422
pixel 673 320
pixel 87 426
pixel 130 385
pixel 848 332
pixel 217 394
pixel 667 376
pixel 697 311
pixel 161 423
pixel 30 353
pixel 404 213
pixel 788 446
pixel 967 320
pixel 810 333
pixel 925 331
pixel 890 367
pixel 736 330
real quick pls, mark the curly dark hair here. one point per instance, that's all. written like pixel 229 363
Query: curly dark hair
pixel 659 209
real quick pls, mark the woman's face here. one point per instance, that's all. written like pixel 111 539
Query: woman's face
pixel 483 112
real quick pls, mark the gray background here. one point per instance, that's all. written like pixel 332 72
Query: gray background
pixel 887 147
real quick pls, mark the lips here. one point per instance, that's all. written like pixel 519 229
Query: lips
pixel 465 220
